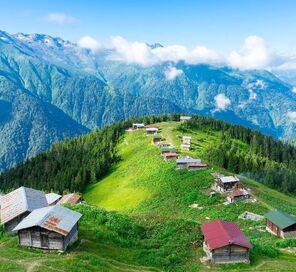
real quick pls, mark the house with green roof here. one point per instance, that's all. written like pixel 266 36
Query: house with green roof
pixel 164 150
pixel 156 138
pixel 281 224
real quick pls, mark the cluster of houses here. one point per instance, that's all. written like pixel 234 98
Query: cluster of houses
pixel 39 219
pixel 231 186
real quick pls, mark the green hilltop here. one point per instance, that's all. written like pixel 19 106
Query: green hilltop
pixel 137 216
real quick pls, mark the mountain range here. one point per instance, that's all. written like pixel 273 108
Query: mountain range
pixel 52 89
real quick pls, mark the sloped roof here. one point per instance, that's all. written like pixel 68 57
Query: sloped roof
pixel 170 154
pixel 229 179
pixel 280 218
pixel 139 124
pixel 52 197
pixel 188 160
pixel 185 117
pixel 54 218
pixel 156 136
pixel 20 201
pixel 220 233
pixel 152 129
pixel 70 199
pixel 168 149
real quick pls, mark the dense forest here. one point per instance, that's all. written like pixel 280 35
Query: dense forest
pixel 254 154
pixel 73 163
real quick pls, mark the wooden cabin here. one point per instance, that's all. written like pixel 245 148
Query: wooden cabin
pixel 186 140
pixel 182 163
pixel 281 224
pixel 151 131
pixel 70 199
pixel 156 139
pixel 53 228
pixel 185 118
pixel 169 156
pixel 225 184
pixel 195 166
pixel 52 198
pixel 138 126
pixel 224 242
pixel 238 194
pixel 164 150
pixel 16 205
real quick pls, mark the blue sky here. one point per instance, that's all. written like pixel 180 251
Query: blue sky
pixel 221 25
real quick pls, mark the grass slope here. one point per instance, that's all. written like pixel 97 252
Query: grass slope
pixel 137 218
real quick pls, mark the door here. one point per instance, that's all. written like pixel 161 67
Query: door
pixel 44 240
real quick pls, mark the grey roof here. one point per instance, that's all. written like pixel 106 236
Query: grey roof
pixel 52 198
pixel 54 218
pixel 185 117
pixel 20 201
pixel 188 160
pixel 139 124
pixel 229 179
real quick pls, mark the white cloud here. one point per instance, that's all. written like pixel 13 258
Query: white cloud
pixel 292 116
pixel 222 102
pixel 294 90
pixel 89 43
pixel 172 72
pixel 254 54
pixel 60 18
pixel 253 95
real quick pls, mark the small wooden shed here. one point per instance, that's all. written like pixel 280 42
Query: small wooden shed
pixel 224 242
pixel 195 166
pixel 186 140
pixel 169 156
pixel 53 227
pixel 281 224
pixel 164 150
pixel 16 205
pixel 151 131
pixel 156 139
pixel 138 125
pixel 238 194
pixel 184 118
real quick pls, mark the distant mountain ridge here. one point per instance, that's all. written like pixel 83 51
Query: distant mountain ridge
pixel 87 90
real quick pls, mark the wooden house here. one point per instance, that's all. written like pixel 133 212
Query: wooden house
pixel 186 140
pixel 192 163
pixel 238 194
pixel 16 205
pixel 163 144
pixel 169 156
pixel 164 150
pixel 151 131
pixel 53 227
pixel 281 224
pixel 138 126
pixel 52 198
pixel 225 184
pixel 70 199
pixel 195 166
pixel 224 242
pixel 156 139
pixel 185 118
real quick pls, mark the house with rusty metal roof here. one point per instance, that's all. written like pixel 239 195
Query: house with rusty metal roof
pixel 53 227
pixel 225 184
pixel 16 205
pixel 281 224
pixel 224 242
pixel 70 199
pixel 52 198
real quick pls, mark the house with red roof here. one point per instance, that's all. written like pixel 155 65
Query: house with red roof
pixel 169 156
pixel 224 242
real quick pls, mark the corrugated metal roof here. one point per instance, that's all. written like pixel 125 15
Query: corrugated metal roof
pixel 70 199
pixel 188 160
pixel 281 219
pixel 168 149
pixel 185 117
pixel 52 198
pixel 221 233
pixel 229 179
pixel 170 154
pixel 19 201
pixel 55 218
pixel 139 124
pixel 152 129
